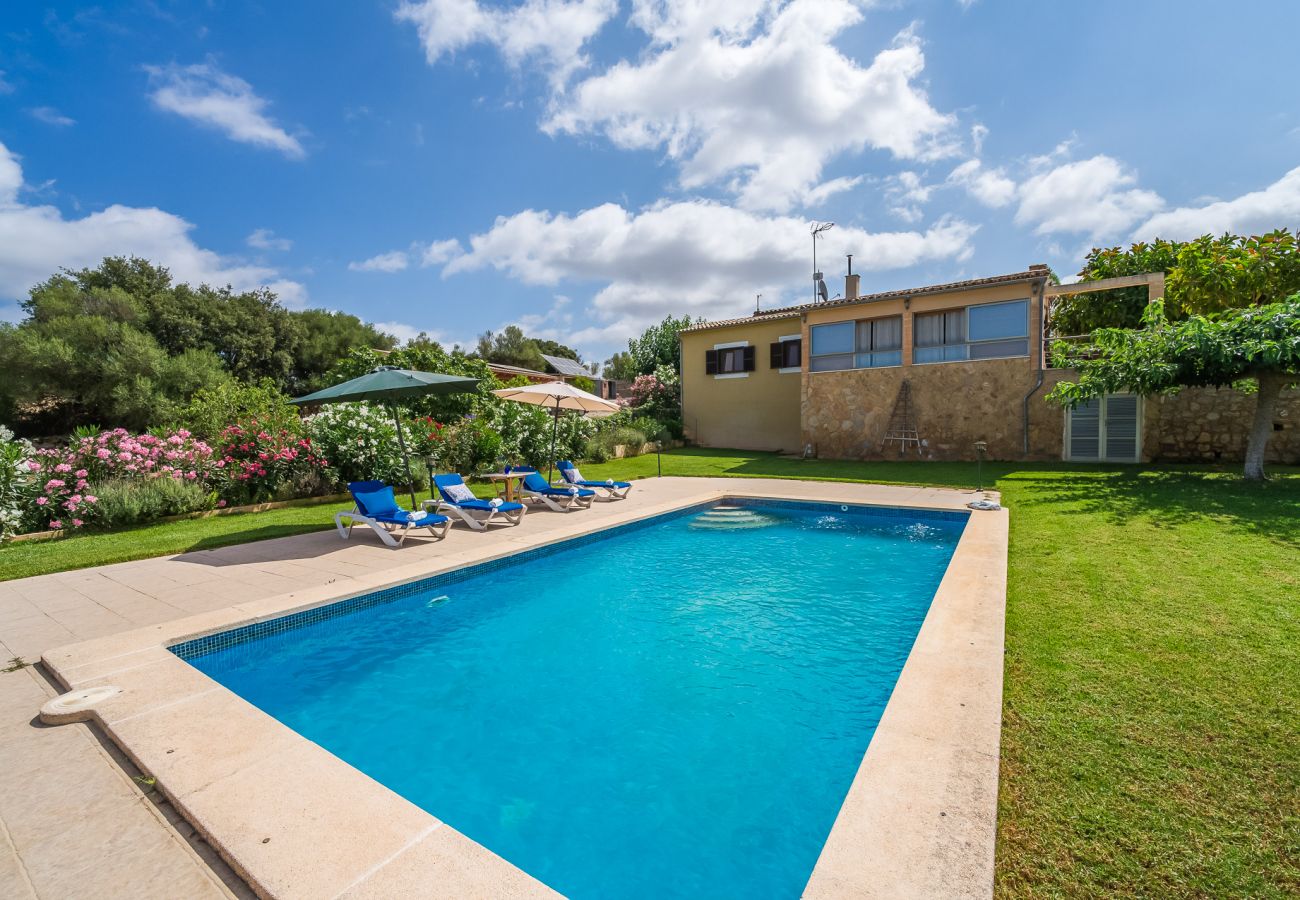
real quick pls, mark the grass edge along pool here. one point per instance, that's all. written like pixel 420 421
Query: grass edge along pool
pixel 691 703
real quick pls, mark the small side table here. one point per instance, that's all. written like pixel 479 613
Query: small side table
pixel 508 479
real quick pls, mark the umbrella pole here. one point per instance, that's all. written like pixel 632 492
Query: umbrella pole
pixel 410 480
pixel 550 465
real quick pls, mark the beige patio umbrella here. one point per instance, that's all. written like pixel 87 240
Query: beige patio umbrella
pixel 557 396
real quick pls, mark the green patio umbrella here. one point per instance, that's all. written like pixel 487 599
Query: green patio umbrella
pixel 388 384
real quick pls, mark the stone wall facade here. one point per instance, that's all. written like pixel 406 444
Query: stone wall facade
pixel 1211 425
pixel 846 414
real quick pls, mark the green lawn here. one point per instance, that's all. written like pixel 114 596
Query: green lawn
pixel 1152 697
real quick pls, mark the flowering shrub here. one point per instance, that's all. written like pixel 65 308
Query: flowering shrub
pixel 15 483
pixel 255 464
pixel 360 441
pixel 63 478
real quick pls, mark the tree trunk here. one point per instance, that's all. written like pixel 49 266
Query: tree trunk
pixel 1261 429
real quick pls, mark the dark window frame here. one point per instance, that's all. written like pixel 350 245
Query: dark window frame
pixel 781 352
pixel 722 360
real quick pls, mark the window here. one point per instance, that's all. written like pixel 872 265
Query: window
pixel 867 344
pixel 729 360
pixel 786 353
pixel 880 343
pixel 1104 430
pixel 987 331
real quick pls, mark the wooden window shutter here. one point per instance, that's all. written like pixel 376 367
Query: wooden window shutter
pixel 749 358
pixel 778 353
pixel 710 362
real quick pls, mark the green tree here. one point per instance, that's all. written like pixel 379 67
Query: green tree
pixel 1207 275
pixel 1261 343
pixel 84 356
pixel 425 356
pixel 658 346
pixel 327 338
pixel 620 367
pixel 1081 314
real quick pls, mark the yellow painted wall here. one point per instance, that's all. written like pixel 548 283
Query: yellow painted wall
pixel 757 412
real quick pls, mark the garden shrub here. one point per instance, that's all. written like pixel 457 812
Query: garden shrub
pixel 259 406
pixel 131 501
pixel 471 447
pixel 360 442
pixel 256 465
pixel 15 482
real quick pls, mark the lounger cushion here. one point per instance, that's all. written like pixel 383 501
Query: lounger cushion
pixel 377 503
pixel 421 520
pixel 485 506
pixel 571 473
pixel 459 493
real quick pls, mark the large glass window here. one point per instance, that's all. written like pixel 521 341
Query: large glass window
pixel 987 331
pixel 867 344
pixel 880 343
pixel 832 347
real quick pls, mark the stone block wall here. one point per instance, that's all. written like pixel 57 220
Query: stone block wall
pixel 846 414
pixel 1211 424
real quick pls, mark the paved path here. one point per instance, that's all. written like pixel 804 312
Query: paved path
pixel 73 823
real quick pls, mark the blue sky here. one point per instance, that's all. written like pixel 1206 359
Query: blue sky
pixel 584 167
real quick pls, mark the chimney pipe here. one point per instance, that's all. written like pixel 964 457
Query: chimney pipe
pixel 851 282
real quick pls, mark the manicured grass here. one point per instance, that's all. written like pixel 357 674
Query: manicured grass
pixel 1152 698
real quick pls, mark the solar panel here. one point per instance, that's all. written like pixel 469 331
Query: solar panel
pixel 566 366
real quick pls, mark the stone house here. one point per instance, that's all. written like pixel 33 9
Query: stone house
pixel 930 371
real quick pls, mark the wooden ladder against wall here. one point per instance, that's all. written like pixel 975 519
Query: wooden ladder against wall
pixel 902 423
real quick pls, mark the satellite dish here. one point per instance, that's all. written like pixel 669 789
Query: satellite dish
pixel 821 289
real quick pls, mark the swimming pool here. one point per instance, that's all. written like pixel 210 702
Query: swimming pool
pixel 671 708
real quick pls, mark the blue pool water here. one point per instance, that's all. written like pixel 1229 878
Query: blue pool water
pixel 675 709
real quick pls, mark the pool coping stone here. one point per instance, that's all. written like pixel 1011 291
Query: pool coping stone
pixel 295 821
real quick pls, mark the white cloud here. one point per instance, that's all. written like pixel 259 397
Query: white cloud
pixel 695 257
pixel 5 86
pixel 553 31
pixel 992 187
pixel 403 332
pixel 1093 196
pixel 394 261
pixel 205 94
pixel 51 116
pixel 1276 206
pixel 439 252
pixel 434 253
pixel 755 96
pixel 818 195
pixel 978 132
pixel 265 239
pixel 35 241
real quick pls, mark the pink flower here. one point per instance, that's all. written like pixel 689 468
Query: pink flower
pixel 103 453
pixel 220 504
pixel 56 524
pixel 63 467
pixel 77 523
pixel 41 501
pixel 81 484
pixel 90 498
pixel 191 475
pixel 33 466
pixel 82 473
pixel 52 484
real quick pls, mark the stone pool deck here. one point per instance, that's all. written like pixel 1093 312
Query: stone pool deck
pixel 74 823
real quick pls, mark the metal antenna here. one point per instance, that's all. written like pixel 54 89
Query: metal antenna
pixel 817 229
pixel 758 303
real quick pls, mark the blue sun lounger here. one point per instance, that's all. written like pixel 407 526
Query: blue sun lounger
pixel 561 499
pixel 377 507
pixel 456 497
pixel 612 490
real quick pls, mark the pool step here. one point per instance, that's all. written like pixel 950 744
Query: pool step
pixel 731 518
